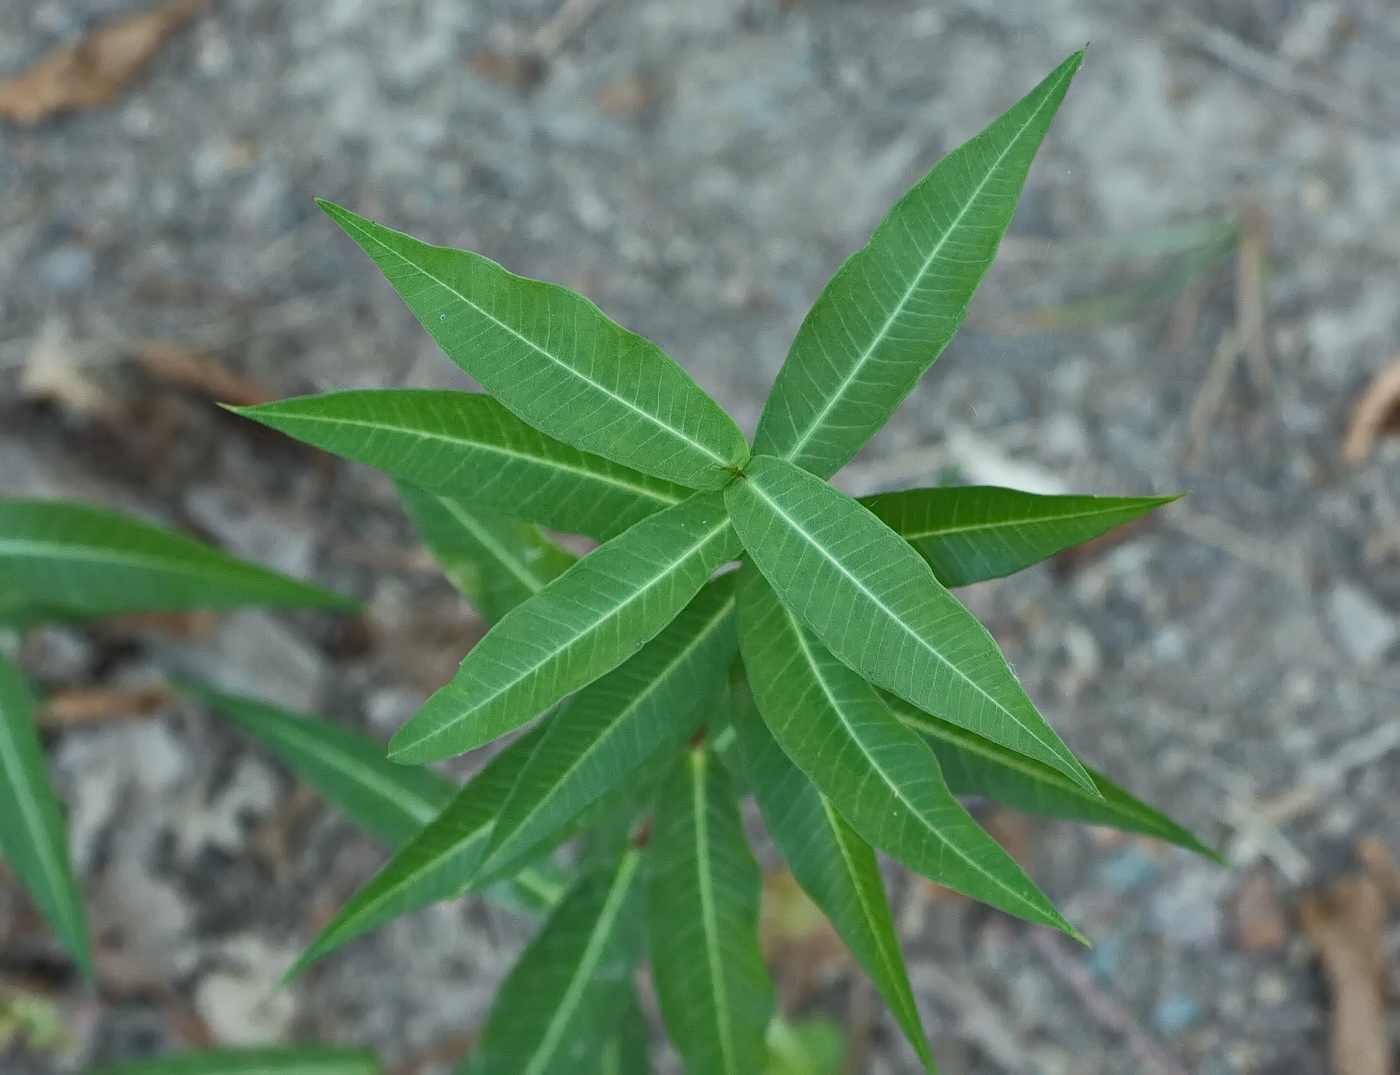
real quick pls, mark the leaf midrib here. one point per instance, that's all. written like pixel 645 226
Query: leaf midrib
pixel 701 636
pixel 709 921
pixel 883 333
pixel 972 743
pixel 31 549
pixel 504 556
pixel 841 567
pixel 679 434
pixel 592 956
pixel 612 615
pixel 1007 524
pixel 876 768
pixel 486 446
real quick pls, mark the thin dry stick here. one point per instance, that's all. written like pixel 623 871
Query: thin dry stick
pixel 1149 1055
pixel 562 25
pixel 1375 406
pixel 1251 267
pixel 1211 394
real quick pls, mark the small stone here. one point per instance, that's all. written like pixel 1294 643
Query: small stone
pixel 1174 1013
pixel 243 1005
pixel 255 655
pixel 1362 628
pixel 1259 924
pixel 1187 908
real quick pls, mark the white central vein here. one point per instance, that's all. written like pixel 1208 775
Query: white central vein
pixel 708 917
pixel 504 556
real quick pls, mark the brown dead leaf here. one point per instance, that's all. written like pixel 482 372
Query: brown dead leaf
pixel 1064 564
pixel 1382 865
pixel 180 626
pixel 797 940
pixel 68 709
pixel 1346 924
pixel 52 373
pixel 524 71
pixel 1377 412
pixel 628 96
pixel 178 365
pixel 96 69
pixel 1259 922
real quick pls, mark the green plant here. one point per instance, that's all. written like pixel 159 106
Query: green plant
pixel 832 674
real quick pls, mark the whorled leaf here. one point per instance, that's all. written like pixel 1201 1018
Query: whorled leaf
pixel 703 891
pixel 974 766
pixel 973 533
pixel 75 560
pixel 882 778
pixel 612 726
pixel 494 561
pixel 552 357
pixel 33 840
pixel 306 1060
pixel 834 866
pixel 585 623
pixel 894 305
pixel 464 443
pixel 559 1009
pixel 876 605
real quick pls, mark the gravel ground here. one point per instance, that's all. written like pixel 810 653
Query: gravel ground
pixel 699 167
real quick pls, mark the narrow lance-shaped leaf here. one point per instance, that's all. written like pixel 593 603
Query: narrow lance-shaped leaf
pixel 973 533
pixel 703 897
pixel 559 1008
pixel 461 444
pixel 880 776
pixel 32 836
pixel 314 1060
pixel 585 623
pixel 628 1050
pixel 974 766
pixel 554 358
pixel 894 305
pixel 835 867
pixel 78 560
pixel 389 801
pixel 435 864
pixel 649 704
pixel 875 604
pixel 494 561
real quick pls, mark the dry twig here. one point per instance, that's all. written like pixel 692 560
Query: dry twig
pixel 1375 413
pixel 1346 925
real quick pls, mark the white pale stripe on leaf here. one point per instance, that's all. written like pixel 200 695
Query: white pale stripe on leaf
pixel 438 862
pixel 585 623
pixel 308 1060
pixel 76 560
pixel 607 730
pixel 703 894
pixel 876 604
pixel 32 837
pixel 552 357
pixel 975 766
pixel 495 562
pixel 834 866
pixel 559 1008
pixel 882 777
pixel 973 533
pixel 893 306
pixel 454 443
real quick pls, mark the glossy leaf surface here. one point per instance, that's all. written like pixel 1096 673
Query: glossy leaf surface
pixel 611 727
pixel 834 866
pixel 879 774
pixel 875 604
pixel 973 533
pixel 76 560
pixel 467 445
pixel 559 1008
pixel 703 894
pixel 317 1060
pixel 494 561
pixel 552 357
pixel 894 305
pixel 974 766
pixel 583 624
pixel 33 839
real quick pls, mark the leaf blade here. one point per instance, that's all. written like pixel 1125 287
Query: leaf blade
pixel 582 625
pixel 703 889
pixel 875 604
pixel 560 1004
pixel 881 776
pixel 893 306
pixel 596 386
pixel 609 729
pixel 969 534
pixel 834 866
pixel 445 442
pixel 33 839
pixel 77 560
pixel 319 1060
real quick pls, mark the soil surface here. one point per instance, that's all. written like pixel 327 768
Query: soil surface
pixel 699 168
